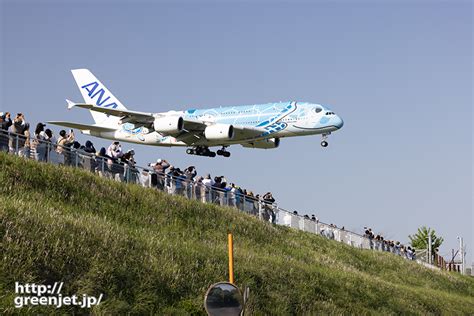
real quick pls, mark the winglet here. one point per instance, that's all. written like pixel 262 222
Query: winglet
pixel 70 104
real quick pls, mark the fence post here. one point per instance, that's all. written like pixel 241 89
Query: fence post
pixel 16 144
pixel 47 151
pixel 127 172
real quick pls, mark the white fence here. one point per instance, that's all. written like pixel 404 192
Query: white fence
pixel 178 185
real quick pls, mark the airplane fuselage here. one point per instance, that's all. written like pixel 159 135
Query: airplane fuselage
pixel 278 120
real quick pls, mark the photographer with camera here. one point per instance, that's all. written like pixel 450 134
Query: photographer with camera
pixel 19 144
pixel 158 177
pixel 190 172
pixel 268 201
pixel 115 165
pixel 64 143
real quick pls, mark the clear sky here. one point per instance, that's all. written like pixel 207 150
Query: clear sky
pixel 398 72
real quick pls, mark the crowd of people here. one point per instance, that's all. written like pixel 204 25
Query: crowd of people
pixel 209 189
pixel 43 145
pixel 116 163
pixel 377 242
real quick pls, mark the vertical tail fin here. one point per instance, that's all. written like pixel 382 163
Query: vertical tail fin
pixel 94 92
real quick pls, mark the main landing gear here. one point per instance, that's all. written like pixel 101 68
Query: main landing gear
pixel 324 143
pixel 223 152
pixel 200 151
pixel 204 151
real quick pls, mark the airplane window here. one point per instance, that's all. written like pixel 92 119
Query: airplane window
pixel 317 109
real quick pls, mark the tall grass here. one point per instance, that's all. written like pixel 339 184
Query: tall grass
pixel 151 253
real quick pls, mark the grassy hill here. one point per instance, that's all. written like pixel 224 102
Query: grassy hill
pixel 152 253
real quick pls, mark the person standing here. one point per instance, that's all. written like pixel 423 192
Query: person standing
pixel 208 183
pixel 40 142
pixel 5 123
pixel 268 200
pixel 160 168
pixel 190 172
pixel 17 140
pixel 63 144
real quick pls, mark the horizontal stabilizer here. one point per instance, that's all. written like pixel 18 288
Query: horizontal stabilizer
pixel 70 104
pixel 83 127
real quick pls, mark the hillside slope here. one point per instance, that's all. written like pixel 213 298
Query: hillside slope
pixel 153 253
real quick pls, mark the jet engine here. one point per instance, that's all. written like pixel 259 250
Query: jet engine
pixel 168 124
pixel 219 132
pixel 265 143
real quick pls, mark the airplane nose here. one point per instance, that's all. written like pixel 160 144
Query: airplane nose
pixel 338 122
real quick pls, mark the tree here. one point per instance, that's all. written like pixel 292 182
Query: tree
pixel 420 239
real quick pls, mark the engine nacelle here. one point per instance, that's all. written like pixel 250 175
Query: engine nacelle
pixel 168 124
pixel 219 132
pixel 264 144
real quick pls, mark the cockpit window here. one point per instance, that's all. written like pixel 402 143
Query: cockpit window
pixel 318 109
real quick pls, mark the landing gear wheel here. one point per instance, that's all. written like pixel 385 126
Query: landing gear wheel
pixel 324 143
pixel 200 151
pixel 223 152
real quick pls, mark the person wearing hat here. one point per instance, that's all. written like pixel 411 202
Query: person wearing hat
pixel 160 168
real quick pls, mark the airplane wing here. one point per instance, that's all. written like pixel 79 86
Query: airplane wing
pixel 82 127
pixel 241 132
pixel 193 129
pixel 127 116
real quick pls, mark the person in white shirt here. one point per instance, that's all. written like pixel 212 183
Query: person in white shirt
pixel 208 183
pixel 115 150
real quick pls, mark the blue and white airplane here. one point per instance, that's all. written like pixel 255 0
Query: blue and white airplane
pixel 253 126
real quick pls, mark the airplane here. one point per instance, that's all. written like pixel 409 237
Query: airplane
pixel 251 126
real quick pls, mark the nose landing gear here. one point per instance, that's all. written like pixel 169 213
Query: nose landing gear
pixel 324 143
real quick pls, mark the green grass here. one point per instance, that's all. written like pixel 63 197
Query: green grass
pixel 150 253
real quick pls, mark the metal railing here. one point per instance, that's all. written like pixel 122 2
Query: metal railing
pixel 103 166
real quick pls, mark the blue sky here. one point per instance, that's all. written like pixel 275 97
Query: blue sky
pixel 398 73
